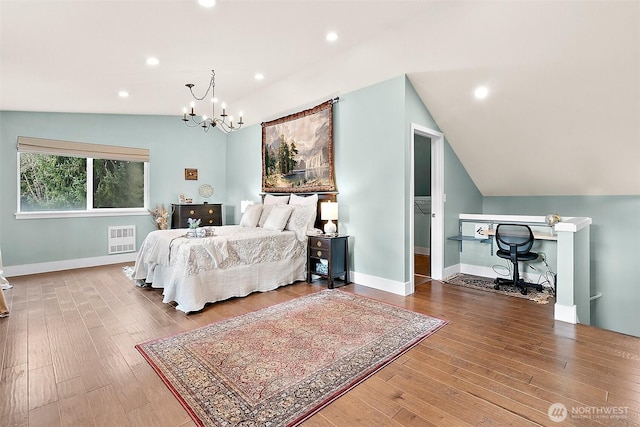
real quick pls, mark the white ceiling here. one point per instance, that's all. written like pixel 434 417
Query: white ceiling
pixel 562 116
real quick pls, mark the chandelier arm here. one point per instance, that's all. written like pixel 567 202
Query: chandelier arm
pixel 213 121
pixel 212 85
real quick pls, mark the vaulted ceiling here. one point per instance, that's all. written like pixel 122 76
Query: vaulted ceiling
pixel 562 116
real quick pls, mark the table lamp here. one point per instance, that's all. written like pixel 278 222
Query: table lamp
pixel 329 213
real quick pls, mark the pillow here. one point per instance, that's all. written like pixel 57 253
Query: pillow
pixel 278 217
pixel 266 210
pixel 302 219
pixel 270 199
pixel 303 201
pixel 251 216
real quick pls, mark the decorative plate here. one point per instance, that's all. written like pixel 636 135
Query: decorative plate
pixel 205 190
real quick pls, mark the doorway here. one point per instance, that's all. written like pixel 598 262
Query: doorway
pixel 422 206
pixel 430 140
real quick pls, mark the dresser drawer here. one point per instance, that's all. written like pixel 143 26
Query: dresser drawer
pixel 208 214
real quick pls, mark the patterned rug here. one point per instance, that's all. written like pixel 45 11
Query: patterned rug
pixel 486 284
pixel 279 365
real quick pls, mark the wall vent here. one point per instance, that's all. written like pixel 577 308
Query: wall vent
pixel 122 239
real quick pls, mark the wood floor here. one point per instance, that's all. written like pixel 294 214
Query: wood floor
pixel 68 359
pixel 422 265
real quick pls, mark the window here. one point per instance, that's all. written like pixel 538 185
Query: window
pixel 71 177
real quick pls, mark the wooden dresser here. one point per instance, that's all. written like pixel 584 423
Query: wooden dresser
pixel 207 213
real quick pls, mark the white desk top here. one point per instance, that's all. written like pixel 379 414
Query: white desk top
pixel 536 234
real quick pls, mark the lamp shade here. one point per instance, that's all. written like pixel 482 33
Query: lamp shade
pixel 328 211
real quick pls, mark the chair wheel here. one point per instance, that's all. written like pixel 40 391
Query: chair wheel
pixel 496 287
pixel 496 280
pixel 523 291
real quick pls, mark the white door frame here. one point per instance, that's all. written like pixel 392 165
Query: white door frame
pixel 437 201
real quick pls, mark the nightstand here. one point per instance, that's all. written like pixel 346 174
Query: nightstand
pixel 328 257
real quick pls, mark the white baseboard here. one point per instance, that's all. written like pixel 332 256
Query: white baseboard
pixel 451 270
pixel 382 284
pixel 565 313
pixel 70 264
pixel 421 251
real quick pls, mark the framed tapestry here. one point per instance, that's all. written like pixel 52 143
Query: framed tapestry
pixel 297 152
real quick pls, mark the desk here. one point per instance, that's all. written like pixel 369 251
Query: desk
pixel 572 236
pixel 536 234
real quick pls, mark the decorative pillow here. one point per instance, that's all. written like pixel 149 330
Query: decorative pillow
pixel 266 210
pixel 251 216
pixel 278 217
pixel 302 219
pixel 270 199
pixel 296 200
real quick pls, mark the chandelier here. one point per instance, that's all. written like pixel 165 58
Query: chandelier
pixel 189 117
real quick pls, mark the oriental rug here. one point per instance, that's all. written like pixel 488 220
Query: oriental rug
pixel 486 284
pixel 279 365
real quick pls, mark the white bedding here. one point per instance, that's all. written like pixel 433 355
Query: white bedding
pixel 234 262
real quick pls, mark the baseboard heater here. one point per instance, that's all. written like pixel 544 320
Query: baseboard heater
pixel 121 239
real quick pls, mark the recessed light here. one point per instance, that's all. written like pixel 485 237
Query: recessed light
pixel 258 76
pixel 123 94
pixel 481 92
pixel 207 3
pixel 152 61
pixel 332 36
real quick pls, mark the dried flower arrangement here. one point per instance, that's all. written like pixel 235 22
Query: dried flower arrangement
pixel 160 217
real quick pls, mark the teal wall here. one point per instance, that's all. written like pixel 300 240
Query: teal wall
pixel 244 169
pixel 462 196
pixel 372 152
pixel 372 135
pixel 173 147
pixel 614 237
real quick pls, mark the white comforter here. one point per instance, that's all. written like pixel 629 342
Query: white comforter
pixel 235 261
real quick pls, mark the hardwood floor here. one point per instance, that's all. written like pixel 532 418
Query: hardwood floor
pixel 422 265
pixel 68 359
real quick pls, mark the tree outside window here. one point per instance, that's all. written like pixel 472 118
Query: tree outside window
pixel 60 183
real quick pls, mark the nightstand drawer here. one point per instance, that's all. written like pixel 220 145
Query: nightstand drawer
pixel 319 253
pixel 319 243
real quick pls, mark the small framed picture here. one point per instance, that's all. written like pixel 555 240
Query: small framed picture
pixel 191 174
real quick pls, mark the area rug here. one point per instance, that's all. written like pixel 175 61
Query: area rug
pixel 486 284
pixel 279 365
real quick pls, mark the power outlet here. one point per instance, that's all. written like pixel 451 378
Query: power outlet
pixel 480 231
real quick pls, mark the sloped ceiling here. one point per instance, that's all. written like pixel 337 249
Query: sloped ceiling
pixel 562 116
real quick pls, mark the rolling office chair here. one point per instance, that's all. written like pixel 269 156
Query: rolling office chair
pixel 514 243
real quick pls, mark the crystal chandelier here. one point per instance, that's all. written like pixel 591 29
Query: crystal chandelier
pixel 189 117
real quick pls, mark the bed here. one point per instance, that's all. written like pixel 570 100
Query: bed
pixel 268 249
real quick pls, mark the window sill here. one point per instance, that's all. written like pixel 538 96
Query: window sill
pixel 80 214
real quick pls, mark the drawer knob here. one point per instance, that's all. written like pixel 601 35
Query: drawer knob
pixel 210 211
pixel 210 221
pixel 319 253
pixel 319 243
pixel 192 211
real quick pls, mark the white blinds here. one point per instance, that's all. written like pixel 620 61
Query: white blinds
pixel 80 149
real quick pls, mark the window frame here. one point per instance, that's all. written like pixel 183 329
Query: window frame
pixel 89 210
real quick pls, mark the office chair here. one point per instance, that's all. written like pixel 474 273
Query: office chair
pixel 514 243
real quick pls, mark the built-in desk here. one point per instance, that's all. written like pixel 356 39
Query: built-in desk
pixel 538 235
pixel 573 298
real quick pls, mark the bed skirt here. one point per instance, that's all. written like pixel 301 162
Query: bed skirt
pixel 192 293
